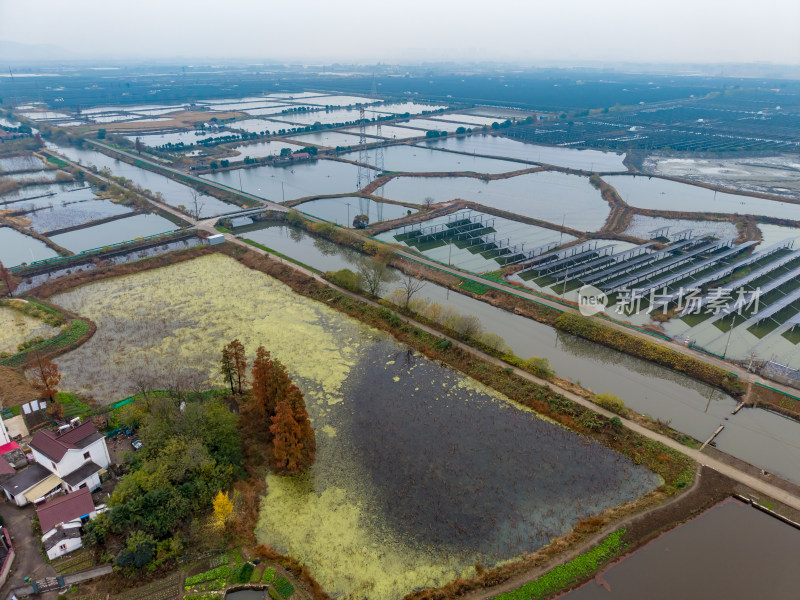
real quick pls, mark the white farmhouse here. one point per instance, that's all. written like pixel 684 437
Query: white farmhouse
pixel 76 455
pixel 61 520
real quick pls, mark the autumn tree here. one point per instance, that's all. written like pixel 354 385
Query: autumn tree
pixel 47 377
pixel 237 362
pixel 269 384
pixel 223 510
pixel 8 279
pixel 287 439
pixel 226 368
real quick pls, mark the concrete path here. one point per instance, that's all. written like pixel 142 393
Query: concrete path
pixel 28 561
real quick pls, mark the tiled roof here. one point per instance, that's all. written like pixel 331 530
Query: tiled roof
pixel 25 479
pixel 85 471
pixel 61 534
pixel 65 509
pixel 55 446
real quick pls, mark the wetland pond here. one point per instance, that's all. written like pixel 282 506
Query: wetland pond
pixel 421 472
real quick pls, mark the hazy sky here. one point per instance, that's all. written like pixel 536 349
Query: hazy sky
pixel 324 31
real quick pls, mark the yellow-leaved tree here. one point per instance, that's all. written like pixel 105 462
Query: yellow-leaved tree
pixel 223 510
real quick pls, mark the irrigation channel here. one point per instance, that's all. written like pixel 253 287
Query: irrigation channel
pixel 760 437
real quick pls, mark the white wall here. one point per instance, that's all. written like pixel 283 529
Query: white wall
pixel 73 459
pixel 71 544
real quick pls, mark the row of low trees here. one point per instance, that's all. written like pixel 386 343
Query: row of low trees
pixel 275 413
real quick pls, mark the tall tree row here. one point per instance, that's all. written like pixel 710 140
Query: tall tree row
pixel 275 414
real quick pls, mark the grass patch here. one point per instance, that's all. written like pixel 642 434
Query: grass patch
pixel 570 573
pixel 283 586
pixel 76 330
pixel 474 287
pixel 56 161
pixel 73 406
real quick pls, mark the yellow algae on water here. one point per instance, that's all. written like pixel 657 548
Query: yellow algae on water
pixel 329 430
pixel 167 320
pixel 326 531
pixel 395 379
pixel 17 327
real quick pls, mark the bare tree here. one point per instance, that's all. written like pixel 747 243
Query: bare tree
pixel 410 283
pixel 375 273
pixel 197 205
pixel 427 203
pixel 7 279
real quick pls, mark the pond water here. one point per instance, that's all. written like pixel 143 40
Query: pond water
pixel 549 196
pixel 174 193
pixel 468 120
pixel 389 132
pixel 75 212
pixel 471 260
pixel 412 159
pixel 187 137
pixel 43 175
pixel 417 475
pixel 17 248
pixel 333 117
pixel 22 162
pixel 339 100
pixel 268 110
pixel 662 194
pixel 757 436
pixel 122 230
pixel 329 139
pixel 261 149
pixel 112 118
pixel 247 595
pixel 253 125
pixel 429 125
pixel 493 145
pixel 46 195
pixel 400 108
pixel 772 234
pixel 291 181
pixel 694 561
pixel 44 115
pixel 641 225
pixel 337 211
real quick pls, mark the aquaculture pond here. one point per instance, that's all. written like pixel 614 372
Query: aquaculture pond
pixel 54 194
pixel 757 436
pixel 430 125
pixel 21 162
pixel 694 561
pixel 549 196
pixel 17 327
pixel 70 213
pixel 338 211
pixel 662 194
pixel 121 230
pixel 493 145
pixel 479 257
pixel 332 117
pixel 17 248
pixel 292 181
pixel 772 234
pixel 174 193
pixel 403 158
pixel 388 132
pixel 418 472
pixel 261 149
pixel 330 139
pixel 642 225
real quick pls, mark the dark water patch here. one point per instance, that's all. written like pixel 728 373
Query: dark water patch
pixel 466 472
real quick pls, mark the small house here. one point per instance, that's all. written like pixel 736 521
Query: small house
pixel 33 484
pixel 76 454
pixel 61 520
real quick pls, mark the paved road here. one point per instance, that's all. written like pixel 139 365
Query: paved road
pixel 760 486
pixel 28 562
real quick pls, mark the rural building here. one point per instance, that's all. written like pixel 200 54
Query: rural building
pixel 76 454
pixel 61 520
pixel 31 485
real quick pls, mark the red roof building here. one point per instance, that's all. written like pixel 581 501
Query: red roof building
pixel 72 507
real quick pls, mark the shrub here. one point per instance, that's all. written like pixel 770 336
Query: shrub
pixel 616 422
pixel 284 587
pixel 345 278
pixel 539 367
pixel 610 402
